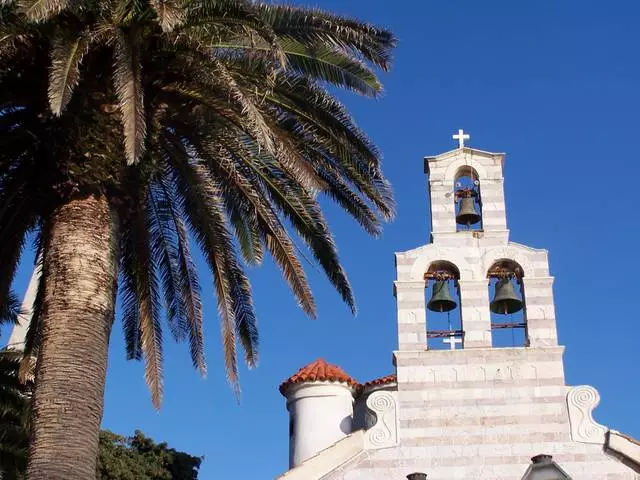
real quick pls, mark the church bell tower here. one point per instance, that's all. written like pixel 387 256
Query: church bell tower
pixel 469 269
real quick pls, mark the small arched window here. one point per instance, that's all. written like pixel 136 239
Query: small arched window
pixel 468 202
pixel 444 319
pixel 508 306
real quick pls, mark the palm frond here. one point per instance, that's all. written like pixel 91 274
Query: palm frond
pixel 254 119
pixel 10 309
pixel 139 290
pixel 41 10
pixel 14 410
pixel 148 304
pixel 64 71
pixel 205 213
pixel 170 13
pixel 207 224
pixel 15 32
pixel 246 322
pixel 129 297
pixel 306 216
pixel 333 66
pixel 189 282
pixel 127 76
pixel 239 18
pixel 315 26
pixel 164 251
pixel 245 227
pixel 272 233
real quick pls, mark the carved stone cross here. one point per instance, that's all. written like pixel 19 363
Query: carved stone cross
pixel 461 137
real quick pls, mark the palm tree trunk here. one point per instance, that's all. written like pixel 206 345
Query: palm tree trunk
pixel 80 275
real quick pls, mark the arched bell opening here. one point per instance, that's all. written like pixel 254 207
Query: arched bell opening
pixel 507 304
pixel 468 202
pixel 444 318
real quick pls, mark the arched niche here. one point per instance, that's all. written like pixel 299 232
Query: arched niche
pixel 467 199
pixel 429 254
pixel 518 253
pixel 464 161
pixel 507 303
pixel 443 304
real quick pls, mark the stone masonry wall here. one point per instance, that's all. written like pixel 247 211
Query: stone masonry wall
pixel 482 414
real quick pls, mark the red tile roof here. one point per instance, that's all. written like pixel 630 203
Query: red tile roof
pixel 381 381
pixel 319 371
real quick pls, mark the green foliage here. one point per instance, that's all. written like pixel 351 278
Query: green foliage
pixel 140 458
pixel 119 458
pixel 202 121
pixel 10 309
pixel 14 409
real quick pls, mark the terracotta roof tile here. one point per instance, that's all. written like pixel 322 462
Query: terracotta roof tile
pixel 381 381
pixel 319 371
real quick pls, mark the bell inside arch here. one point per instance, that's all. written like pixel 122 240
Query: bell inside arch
pixel 505 300
pixel 441 300
pixel 467 214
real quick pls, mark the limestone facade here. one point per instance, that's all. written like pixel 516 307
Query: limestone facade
pixel 478 412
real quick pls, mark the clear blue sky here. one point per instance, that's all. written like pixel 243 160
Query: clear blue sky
pixel 553 84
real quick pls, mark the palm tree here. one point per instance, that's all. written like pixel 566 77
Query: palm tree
pixel 129 129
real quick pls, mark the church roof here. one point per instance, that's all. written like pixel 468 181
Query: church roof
pixel 319 371
pixel 380 381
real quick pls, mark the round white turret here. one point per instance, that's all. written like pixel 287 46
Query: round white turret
pixel 320 404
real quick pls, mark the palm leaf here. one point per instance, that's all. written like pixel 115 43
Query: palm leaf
pixel 64 72
pixel 206 218
pixel 272 233
pixel 170 13
pixel 41 10
pixel 129 298
pixel 315 26
pixel 127 78
pixel 187 274
pixel 148 307
pixel 10 309
pixel 164 251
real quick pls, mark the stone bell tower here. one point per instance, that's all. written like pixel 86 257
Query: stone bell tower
pixel 473 391
pixel 475 252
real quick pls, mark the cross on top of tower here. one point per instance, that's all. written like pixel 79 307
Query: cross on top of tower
pixel 461 137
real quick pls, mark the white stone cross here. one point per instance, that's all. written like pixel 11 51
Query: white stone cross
pixel 452 341
pixel 461 137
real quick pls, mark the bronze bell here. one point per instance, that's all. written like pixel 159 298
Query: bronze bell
pixel 467 214
pixel 441 300
pixel 417 476
pixel 505 299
